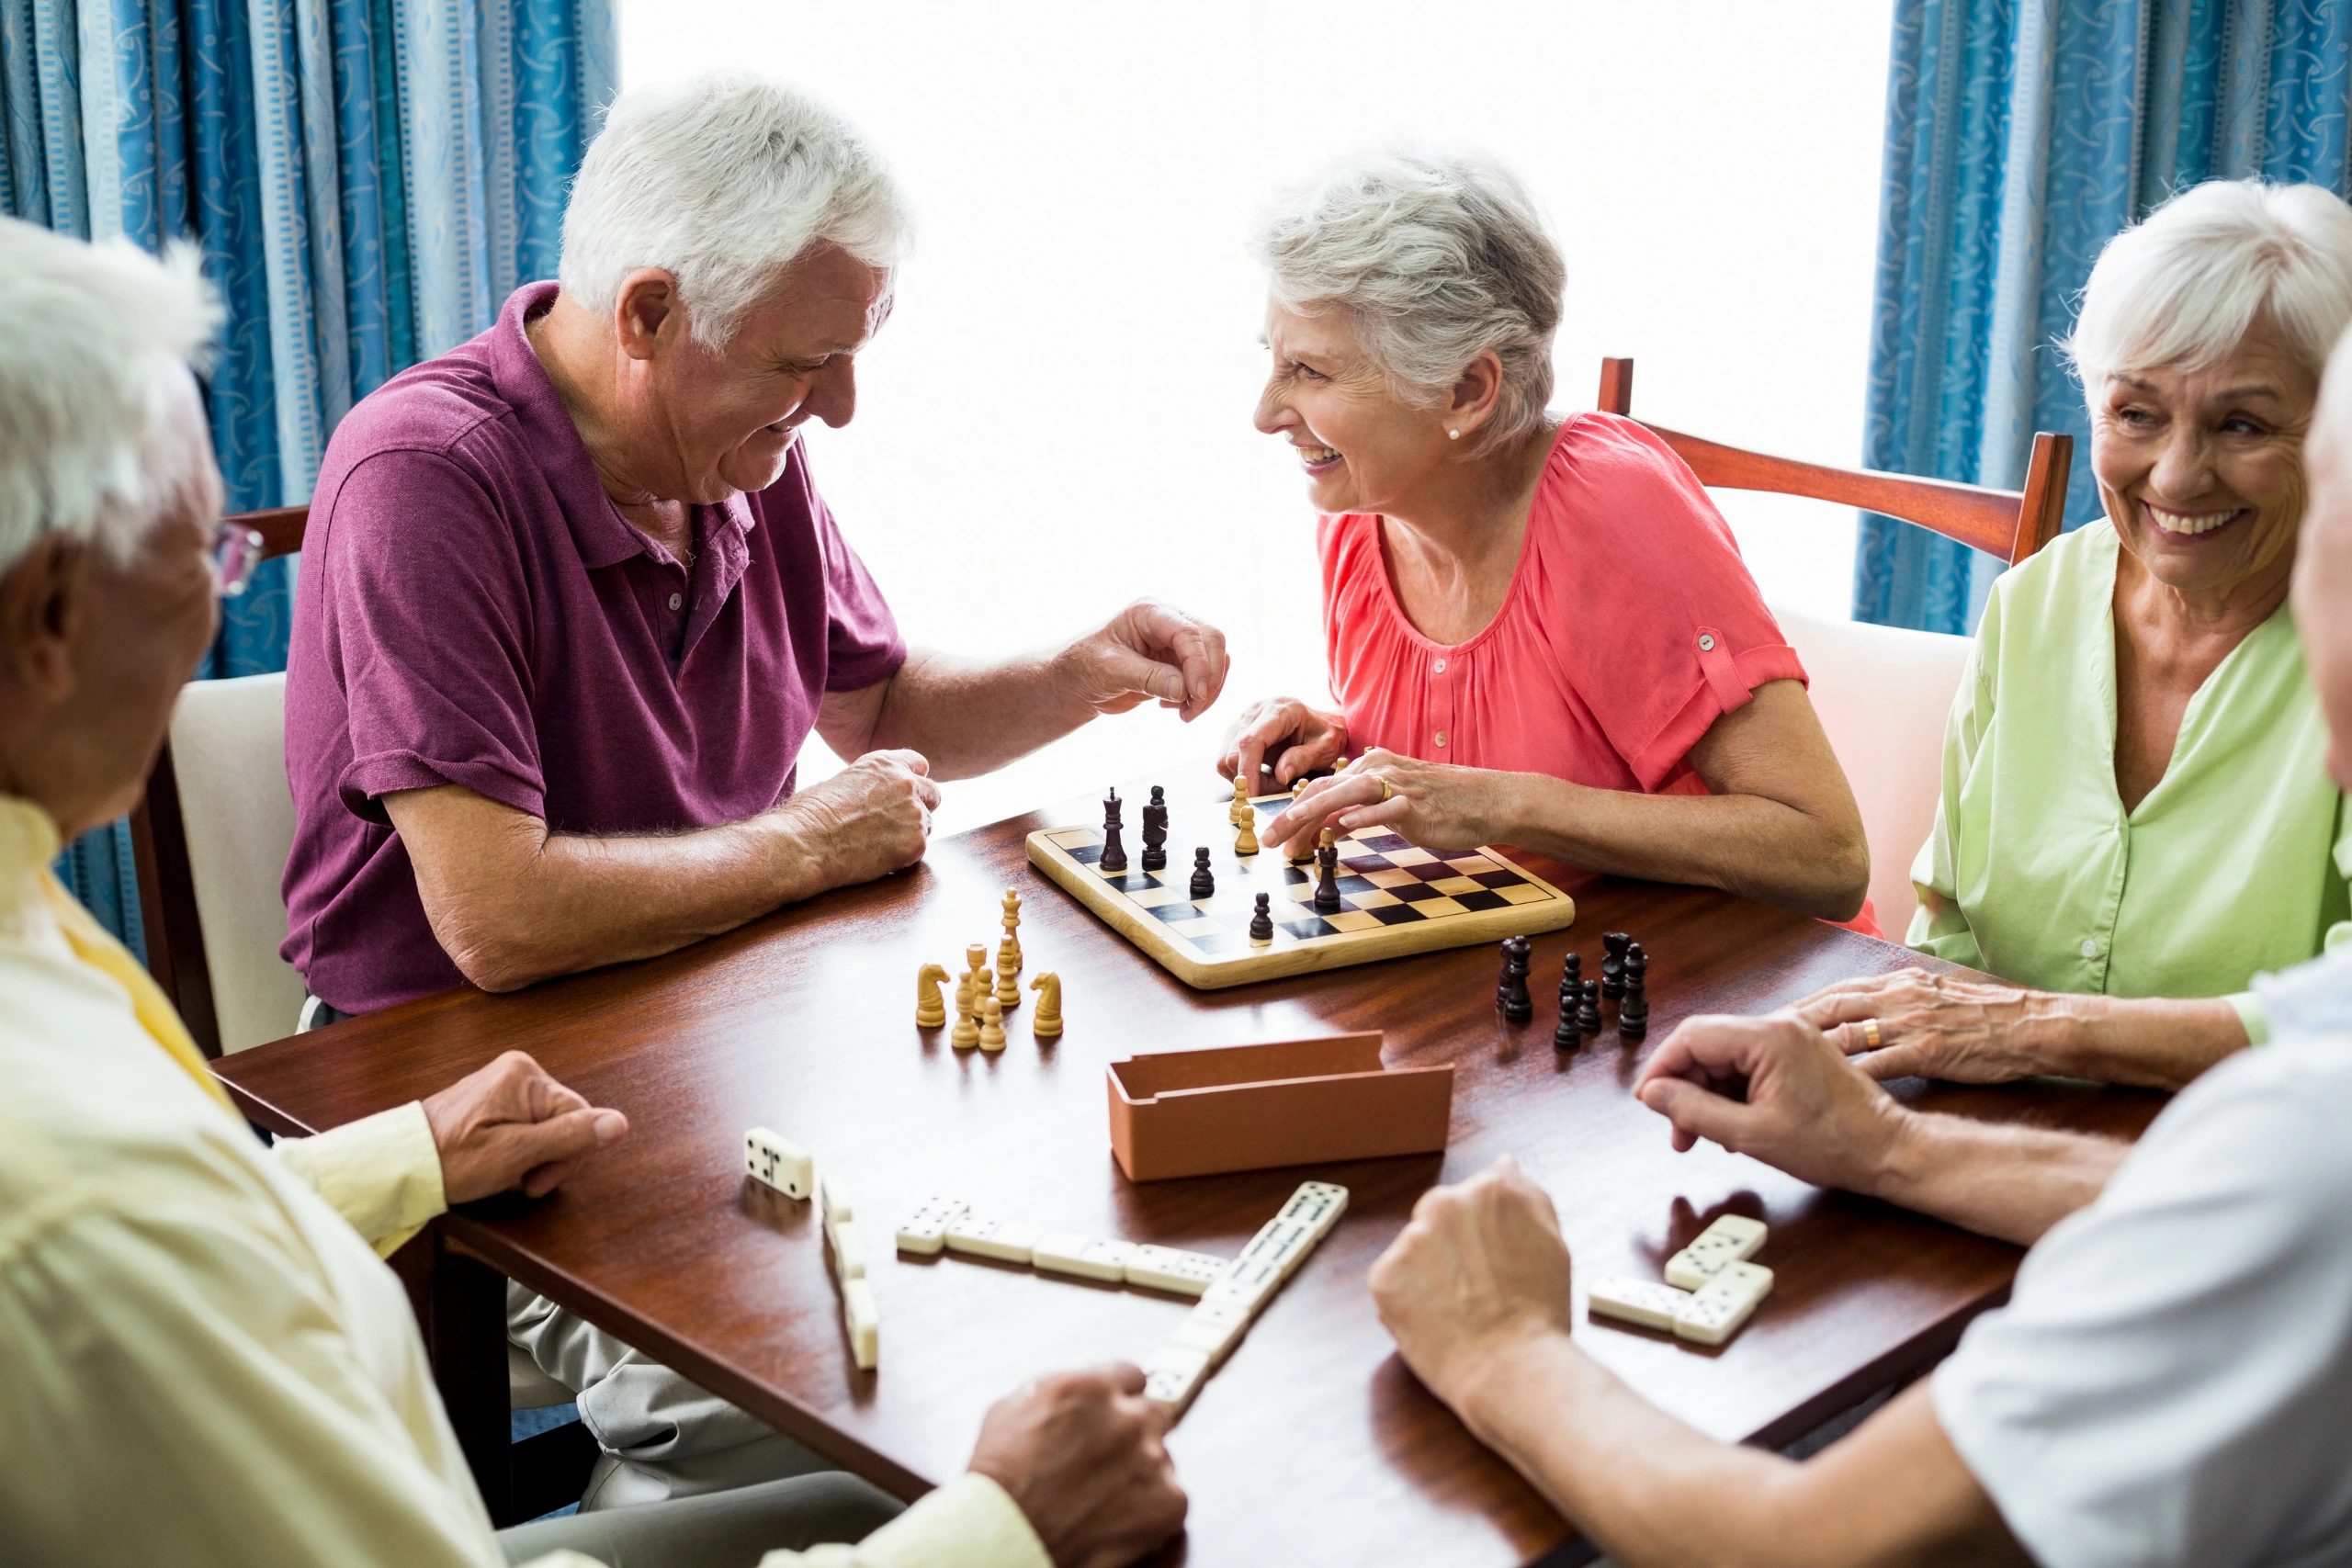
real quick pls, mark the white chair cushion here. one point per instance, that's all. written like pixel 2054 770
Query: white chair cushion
pixel 1884 693
pixel 229 754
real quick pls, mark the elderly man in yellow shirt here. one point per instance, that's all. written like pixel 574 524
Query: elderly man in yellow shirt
pixel 201 1359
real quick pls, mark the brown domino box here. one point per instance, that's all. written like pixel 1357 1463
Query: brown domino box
pixel 1290 1102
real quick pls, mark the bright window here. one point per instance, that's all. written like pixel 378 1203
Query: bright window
pixel 1057 418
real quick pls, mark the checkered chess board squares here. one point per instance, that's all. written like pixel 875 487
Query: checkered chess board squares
pixel 1383 880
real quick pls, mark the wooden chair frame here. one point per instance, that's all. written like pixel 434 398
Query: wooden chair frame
pixel 159 847
pixel 2010 523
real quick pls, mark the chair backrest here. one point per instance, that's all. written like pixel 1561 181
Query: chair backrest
pixel 2010 523
pixel 1884 693
pixel 210 901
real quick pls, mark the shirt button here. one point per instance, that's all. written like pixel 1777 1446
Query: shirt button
pixel 1706 645
pixel 676 599
pixel 2090 947
pixel 1439 667
pixel 1441 737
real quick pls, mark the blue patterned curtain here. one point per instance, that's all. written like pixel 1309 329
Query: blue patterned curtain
pixel 367 179
pixel 2020 136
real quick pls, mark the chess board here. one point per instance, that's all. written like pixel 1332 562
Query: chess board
pixel 1396 899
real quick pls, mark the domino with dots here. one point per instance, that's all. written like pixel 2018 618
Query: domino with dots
pixel 1238 1292
pixel 863 1318
pixel 1733 1238
pixel 1718 1309
pixel 984 1235
pixel 924 1232
pixel 776 1161
pixel 1642 1301
pixel 1173 1269
pixel 1082 1258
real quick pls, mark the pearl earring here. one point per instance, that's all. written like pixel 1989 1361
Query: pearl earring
pixel 1453 435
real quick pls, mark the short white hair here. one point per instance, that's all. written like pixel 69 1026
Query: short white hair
pixel 721 182
pixel 2184 284
pixel 1437 258
pixel 93 382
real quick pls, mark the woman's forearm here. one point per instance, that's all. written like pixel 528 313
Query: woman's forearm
pixel 1741 843
pixel 2149 1042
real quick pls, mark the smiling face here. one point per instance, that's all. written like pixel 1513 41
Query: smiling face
pixel 1365 449
pixel 725 421
pixel 2203 470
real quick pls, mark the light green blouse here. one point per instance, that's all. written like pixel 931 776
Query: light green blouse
pixel 2236 862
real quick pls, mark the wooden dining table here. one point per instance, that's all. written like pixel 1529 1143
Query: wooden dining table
pixel 1314 1443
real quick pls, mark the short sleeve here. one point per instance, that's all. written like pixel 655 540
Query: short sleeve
pixel 427 622
pixel 2169 1382
pixel 1667 628
pixel 862 641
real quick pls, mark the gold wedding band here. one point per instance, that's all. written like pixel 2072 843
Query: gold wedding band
pixel 1387 794
pixel 1870 1032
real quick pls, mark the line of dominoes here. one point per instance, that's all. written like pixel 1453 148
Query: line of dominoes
pixel 1711 1289
pixel 778 1162
pixel 1175 1372
pixel 952 1225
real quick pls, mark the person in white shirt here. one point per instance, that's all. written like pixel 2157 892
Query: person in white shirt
pixel 2171 1382
pixel 202 1358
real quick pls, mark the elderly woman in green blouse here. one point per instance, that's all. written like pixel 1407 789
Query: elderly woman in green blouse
pixel 2135 816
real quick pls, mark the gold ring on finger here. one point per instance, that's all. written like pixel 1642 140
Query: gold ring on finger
pixel 1386 793
pixel 1870 1033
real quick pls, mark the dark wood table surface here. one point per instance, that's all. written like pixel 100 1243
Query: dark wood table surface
pixel 1314 1443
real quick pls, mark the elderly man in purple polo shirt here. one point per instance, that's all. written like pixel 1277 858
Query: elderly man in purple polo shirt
pixel 570 603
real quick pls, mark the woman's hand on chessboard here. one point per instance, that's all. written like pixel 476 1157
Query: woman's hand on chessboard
pixel 1434 804
pixel 1298 740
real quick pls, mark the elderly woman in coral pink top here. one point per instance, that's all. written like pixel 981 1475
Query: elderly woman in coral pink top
pixel 1540 630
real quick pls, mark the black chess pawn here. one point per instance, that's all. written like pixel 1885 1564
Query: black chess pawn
pixel 1589 1009
pixel 1326 885
pixel 1511 991
pixel 1568 1036
pixel 1613 964
pixel 1155 832
pixel 1203 881
pixel 1115 854
pixel 1634 1012
pixel 1261 924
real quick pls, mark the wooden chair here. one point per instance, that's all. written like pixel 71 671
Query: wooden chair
pixel 2010 523
pixel 1882 692
pixel 167 895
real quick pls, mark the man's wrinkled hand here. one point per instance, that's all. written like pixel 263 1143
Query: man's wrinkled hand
pixel 1081 1452
pixel 1774 1089
pixel 1296 739
pixel 1149 652
pixel 511 1126
pixel 1481 1267
pixel 871 818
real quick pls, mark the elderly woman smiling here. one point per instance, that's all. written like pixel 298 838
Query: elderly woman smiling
pixel 2135 802
pixel 1539 631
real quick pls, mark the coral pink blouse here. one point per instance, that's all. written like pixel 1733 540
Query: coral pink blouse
pixel 1631 626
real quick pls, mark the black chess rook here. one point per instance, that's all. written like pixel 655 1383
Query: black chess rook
pixel 1511 991
pixel 1155 831
pixel 1115 854
pixel 1204 880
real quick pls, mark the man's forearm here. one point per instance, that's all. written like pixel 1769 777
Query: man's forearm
pixel 969 718
pixel 2150 1042
pixel 1996 1179
pixel 513 904
pixel 1655 1493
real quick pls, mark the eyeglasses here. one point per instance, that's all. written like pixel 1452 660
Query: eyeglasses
pixel 235 552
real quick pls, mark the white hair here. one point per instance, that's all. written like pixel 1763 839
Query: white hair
pixel 2184 284
pixel 721 182
pixel 94 441
pixel 1437 258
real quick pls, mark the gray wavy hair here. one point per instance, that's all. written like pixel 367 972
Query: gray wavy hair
pixel 1437 257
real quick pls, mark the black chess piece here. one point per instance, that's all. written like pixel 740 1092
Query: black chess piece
pixel 1155 832
pixel 1203 881
pixel 1115 854
pixel 1326 885
pixel 1634 1012
pixel 1261 924
pixel 1589 1009
pixel 1613 964
pixel 1567 1036
pixel 1511 991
